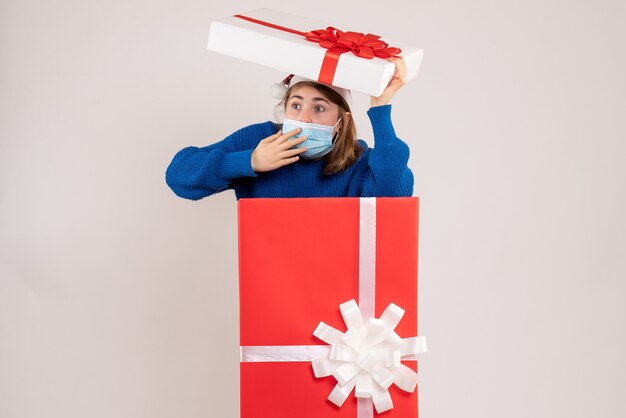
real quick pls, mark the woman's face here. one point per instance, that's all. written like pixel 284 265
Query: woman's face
pixel 307 104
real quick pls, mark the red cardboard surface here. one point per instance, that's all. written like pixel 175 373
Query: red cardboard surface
pixel 298 261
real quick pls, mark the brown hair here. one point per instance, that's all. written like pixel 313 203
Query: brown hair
pixel 346 150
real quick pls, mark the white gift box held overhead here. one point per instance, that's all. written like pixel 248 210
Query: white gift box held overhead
pixel 278 40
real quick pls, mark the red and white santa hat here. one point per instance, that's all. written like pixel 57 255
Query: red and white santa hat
pixel 278 90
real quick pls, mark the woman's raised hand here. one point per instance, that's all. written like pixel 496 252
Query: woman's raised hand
pixel 276 151
pixel 398 80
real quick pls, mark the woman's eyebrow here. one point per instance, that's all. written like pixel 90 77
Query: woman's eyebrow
pixel 315 99
pixel 320 99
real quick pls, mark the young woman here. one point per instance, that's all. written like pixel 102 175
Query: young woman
pixel 315 153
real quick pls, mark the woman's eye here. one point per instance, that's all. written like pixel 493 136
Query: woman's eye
pixel 319 108
pixel 295 106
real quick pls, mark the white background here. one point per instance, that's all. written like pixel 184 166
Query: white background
pixel 118 299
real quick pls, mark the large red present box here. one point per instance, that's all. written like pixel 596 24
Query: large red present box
pixel 299 260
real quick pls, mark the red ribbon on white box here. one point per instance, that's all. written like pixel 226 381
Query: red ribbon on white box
pixel 367 357
pixel 337 42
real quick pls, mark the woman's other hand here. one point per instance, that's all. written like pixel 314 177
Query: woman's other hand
pixel 276 151
pixel 398 80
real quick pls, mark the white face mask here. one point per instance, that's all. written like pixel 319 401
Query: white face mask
pixel 319 141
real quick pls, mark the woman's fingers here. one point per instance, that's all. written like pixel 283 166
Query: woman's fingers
pixel 284 137
pixel 279 137
pixel 287 161
pixel 399 77
pixel 291 152
pixel 397 81
pixel 277 150
pixel 401 71
pixel 271 138
pixel 291 142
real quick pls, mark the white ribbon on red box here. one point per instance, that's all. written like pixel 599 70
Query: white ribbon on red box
pixel 367 357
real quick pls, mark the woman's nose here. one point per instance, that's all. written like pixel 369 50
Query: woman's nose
pixel 305 116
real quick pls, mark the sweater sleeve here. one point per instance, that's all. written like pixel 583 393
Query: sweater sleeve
pixel 196 172
pixel 388 174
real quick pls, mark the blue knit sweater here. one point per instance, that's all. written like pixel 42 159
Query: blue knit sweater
pixel 195 172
